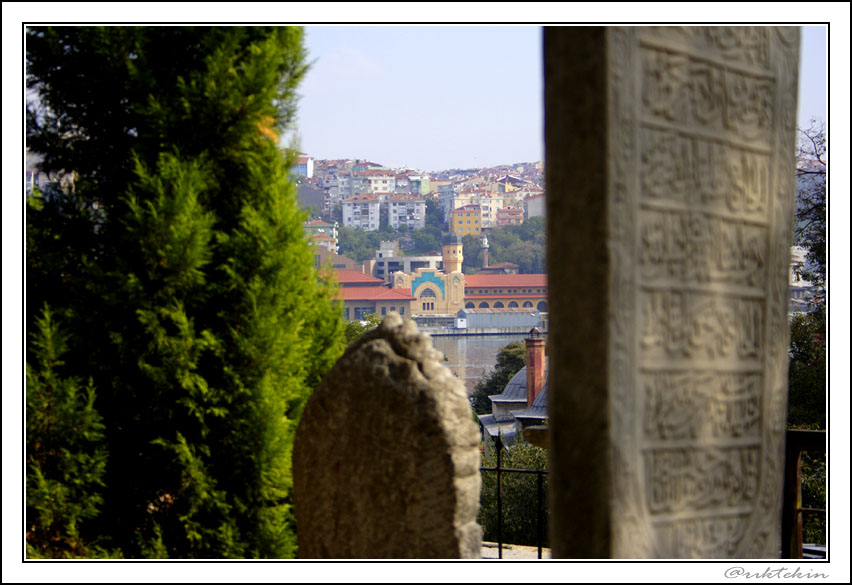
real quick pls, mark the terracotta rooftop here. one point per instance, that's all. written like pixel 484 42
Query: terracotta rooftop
pixel 352 277
pixel 505 296
pixel 361 197
pixel 374 293
pixel 373 172
pixel 505 280
pixel 405 197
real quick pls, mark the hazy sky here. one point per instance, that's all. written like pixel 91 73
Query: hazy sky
pixel 439 97
pixel 428 97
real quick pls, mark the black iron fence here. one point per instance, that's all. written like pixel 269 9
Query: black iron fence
pixel 540 502
pixel 798 442
pixel 794 512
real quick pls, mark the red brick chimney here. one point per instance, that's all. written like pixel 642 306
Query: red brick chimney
pixel 535 364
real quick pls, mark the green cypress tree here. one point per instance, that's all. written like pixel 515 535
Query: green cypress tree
pixel 65 452
pixel 187 282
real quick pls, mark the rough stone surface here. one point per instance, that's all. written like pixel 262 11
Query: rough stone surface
pixel 670 172
pixel 386 459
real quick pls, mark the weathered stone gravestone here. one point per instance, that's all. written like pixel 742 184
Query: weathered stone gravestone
pixel 670 177
pixel 386 459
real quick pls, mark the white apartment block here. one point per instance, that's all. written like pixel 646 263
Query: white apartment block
pixel 534 205
pixel 362 212
pixel 378 181
pixel 406 210
pixel 338 187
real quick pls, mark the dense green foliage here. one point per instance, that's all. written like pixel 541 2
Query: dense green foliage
pixel 807 403
pixel 814 496
pixel 178 266
pixel 807 407
pixel 808 339
pixel 434 215
pixel 354 330
pixel 427 239
pixel 66 458
pixel 360 245
pixel 519 496
pixel 523 245
pixel 510 359
pixel 811 205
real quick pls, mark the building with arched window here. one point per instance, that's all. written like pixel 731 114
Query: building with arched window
pixel 506 291
pixel 364 295
pixel 445 292
pixel 437 292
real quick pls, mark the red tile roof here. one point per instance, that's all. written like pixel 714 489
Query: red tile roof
pixel 354 277
pixel 373 173
pixel 361 197
pixel 374 293
pixel 504 296
pixel 505 280
pixel 406 197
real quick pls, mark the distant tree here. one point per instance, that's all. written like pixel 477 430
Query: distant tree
pixel 523 245
pixel 510 360
pixel 179 270
pixel 384 220
pixel 361 244
pixel 336 213
pixel 353 243
pixel 519 496
pixel 807 370
pixel 354 329
pixel 434 215
pixel 811 205
pixel 427 239
pixel 808 340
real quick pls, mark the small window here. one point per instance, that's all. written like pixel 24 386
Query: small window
pixel 384 311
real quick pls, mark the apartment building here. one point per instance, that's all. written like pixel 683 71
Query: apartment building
pixel 407 210
pixel 510 215
pixel 467 220
pixel 362 212
pixel 373 181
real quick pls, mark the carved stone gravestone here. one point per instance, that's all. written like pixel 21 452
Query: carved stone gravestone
pixel 386 459
pixel 670 177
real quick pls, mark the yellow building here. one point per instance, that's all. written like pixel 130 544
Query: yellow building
pixel 437 292
pixel 467 220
